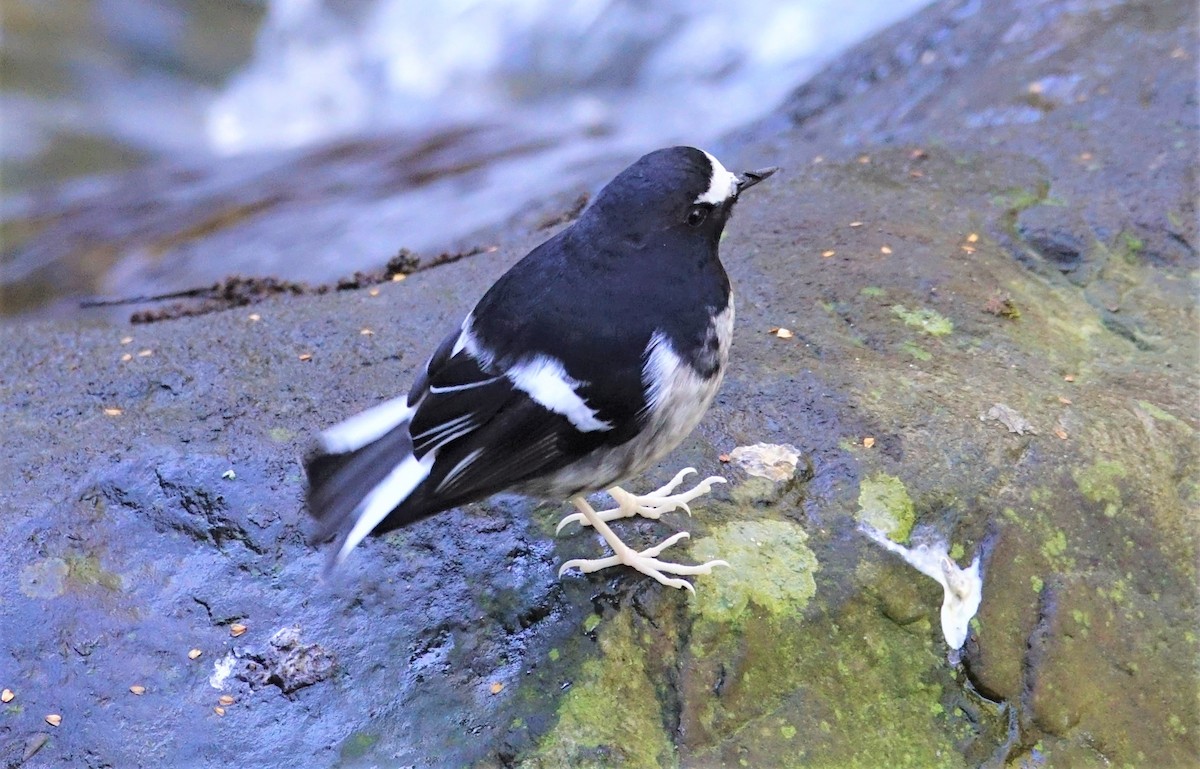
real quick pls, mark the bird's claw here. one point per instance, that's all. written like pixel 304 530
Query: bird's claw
pixel 646 562
pixel 572 518
pixel 651 505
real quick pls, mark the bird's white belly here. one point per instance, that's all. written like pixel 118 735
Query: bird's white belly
pixel 678 398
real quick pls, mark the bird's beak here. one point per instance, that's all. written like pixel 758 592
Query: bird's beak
pixel 751 178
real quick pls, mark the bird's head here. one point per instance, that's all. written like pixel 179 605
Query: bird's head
pixel 677 192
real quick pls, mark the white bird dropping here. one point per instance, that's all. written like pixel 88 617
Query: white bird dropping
pixel 962 588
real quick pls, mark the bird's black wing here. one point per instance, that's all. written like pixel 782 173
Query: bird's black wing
pixel 471 425
pixel 566 301
pixel 487 429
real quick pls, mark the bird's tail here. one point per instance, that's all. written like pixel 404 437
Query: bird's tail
pixel 362 470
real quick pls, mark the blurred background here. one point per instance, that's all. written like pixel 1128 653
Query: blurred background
pixel 476 106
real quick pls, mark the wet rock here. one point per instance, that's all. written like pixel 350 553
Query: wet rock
pixel 190 495
pixel 1055 234
pixel 1007 616
pixel 455 641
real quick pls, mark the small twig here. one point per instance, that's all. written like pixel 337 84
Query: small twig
pixel 100 301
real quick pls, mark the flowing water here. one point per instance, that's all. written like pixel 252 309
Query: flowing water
pixel 469 108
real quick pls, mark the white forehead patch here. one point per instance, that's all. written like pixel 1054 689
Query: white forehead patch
pixel 721 187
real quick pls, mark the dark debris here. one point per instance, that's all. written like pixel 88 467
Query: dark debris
pixel 241 291
pixel 1002 305
pixel 571 214
pixel 285 661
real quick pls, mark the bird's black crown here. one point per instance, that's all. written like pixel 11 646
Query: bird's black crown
pixel 677 188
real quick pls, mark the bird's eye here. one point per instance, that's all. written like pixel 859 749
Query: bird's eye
pixel 697 215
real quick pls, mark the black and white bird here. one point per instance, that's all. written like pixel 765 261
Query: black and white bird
pixel 580 368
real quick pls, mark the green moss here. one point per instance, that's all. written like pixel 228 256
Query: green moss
pixel 1036 583
pixel 281 434
pixel 547 515
pixel 753 491
pixel 555 654
pixel 845 691
pixel 915 350
pixel 929 321
pixel 1017 199
pixel 872 291
pixel 591 623
pixel 611 716
pixel 1162 415
pixel 1054 545
pixel 771 567
pixel 1040 494
pixel 1099 483
pixel 86 570
pixel 883 503
pixel 357 745
pixel 1116 591
pixel 1132 245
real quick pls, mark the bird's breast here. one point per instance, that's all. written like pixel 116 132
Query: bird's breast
pixel 681 384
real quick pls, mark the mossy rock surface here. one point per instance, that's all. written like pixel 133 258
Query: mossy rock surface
pixel 1037 206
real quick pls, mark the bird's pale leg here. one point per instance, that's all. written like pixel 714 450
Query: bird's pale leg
pixel 645 561
pixel 651 505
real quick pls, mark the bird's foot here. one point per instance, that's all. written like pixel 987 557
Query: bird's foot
pixel 645 561
pixel 651 505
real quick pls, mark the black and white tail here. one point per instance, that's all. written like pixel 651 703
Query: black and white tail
pixel 363 469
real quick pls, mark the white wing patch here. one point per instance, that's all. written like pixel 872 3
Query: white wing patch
pixel 722 185
pixel 546 381
pixel 367 426
pixel 390 492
